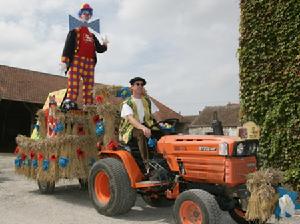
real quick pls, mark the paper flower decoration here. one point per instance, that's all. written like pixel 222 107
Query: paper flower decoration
pixel 27 162
pixel 99 99
pixel 18 162
pixel 37 126
pixel 124 92
pixel 100 128
pixel 80 153
pixel 53 158
pixel 96 119
pixel 40 157
pixel 59 127
pixel 23 156
pixel 63 161
pixel 45 164
pixel 32 154
pixel 112 145
pixel 34 163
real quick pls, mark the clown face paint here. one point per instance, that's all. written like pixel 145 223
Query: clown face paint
pixel 85 16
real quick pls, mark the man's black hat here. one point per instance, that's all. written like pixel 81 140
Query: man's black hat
pixel 132 81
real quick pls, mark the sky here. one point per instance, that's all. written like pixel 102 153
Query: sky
pixel 186 50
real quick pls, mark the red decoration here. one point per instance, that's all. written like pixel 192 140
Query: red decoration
pixel 53 158
pixel 40 157
pixel 80 131
pixel 80 153
pixel 32 154
pixel 98 145
pixel 17 150
pixel 112 145
pixel 23 156
pixel 99 99
pixel 96 119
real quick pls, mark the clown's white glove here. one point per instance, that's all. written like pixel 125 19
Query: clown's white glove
pixel 104 40
pixel 62 68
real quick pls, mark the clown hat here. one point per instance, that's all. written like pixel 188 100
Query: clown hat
pixel 85 7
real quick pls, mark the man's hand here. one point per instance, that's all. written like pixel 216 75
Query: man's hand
pixel 146 131
pixel 62 68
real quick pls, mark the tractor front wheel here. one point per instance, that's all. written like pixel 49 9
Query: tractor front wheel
pixel 196 206
pixel 110 188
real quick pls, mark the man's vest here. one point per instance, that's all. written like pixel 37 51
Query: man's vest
pixel 125 130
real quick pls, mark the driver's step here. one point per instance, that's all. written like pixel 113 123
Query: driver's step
pixel 150 183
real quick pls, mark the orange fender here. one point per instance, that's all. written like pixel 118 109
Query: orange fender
pixel 133 170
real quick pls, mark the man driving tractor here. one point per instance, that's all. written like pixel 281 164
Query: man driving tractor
pixel 137 119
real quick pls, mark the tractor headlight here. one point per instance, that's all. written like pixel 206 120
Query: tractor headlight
pixel 223 149
pixel 240 149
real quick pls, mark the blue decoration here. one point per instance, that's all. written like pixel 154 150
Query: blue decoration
pixel 293 195
pixel 45 164
pixel 75 23
pixel 152 143
pixel 18 162
pixel 34 163
pixel 100 128
pixel 36 126
pixel 92 161
pixel 59 127
pixel 124 92
pixel 63 161
pixel 27 162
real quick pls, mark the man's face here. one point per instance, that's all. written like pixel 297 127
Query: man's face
pixel 138 87
pixel 85 16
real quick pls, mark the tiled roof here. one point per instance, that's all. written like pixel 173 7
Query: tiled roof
pixel 228 115
pixel 31 86
pixel 189 118
pixel 166 112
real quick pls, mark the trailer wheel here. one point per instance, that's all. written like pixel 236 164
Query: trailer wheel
pixel 196 206
pixel 157 202
pixel 110 188
pixel 83 184
pixel 46 187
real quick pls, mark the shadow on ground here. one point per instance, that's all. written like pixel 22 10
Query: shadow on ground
pixel 140 212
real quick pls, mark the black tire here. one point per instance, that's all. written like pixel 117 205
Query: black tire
pixel 205 203
pixel 46 187
pixel 121 197
pixel 157 202
pixel 239 219
pixel 83 184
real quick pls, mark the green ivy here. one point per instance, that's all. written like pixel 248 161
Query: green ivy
pixel 269 58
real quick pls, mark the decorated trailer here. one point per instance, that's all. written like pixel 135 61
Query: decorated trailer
pixel 65 143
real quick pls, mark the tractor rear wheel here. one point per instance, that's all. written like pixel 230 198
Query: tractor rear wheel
pixel 157 202
pixel 46 187
pixel 196 206
pixel 110 188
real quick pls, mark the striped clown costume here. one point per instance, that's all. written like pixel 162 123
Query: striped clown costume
pixel 79 55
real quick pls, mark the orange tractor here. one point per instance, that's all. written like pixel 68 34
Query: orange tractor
pixel 195 173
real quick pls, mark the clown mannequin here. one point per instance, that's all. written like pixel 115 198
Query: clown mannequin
pixel 79 58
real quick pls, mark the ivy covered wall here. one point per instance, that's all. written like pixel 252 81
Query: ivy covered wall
pixel 269 58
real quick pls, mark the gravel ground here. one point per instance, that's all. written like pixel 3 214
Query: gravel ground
pixel 21 202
